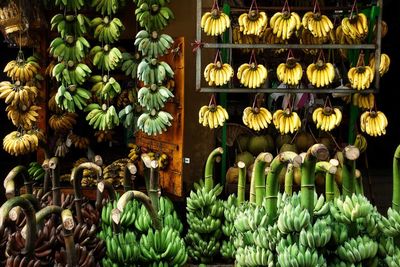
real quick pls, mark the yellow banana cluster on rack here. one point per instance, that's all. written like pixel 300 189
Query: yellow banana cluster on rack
pixel 356 27
pixel 269 37
pixel 285 23
pixel 215 23
pixel 286 121
pixel 327 118
pixel 256 118
pixel 16 93
pixel 321 74
pixel 21 143
pixel 307 38
pixel 22 70
pixel 253 22
pixel 319 25
pixel 361 77
pixel 212 116
pixel 218 73
pixel 290 73
pixel 374 123
pixel 364 101
pixel 252 75
pixel 383 66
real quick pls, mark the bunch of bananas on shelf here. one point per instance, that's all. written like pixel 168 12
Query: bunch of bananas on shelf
pixel 360 77
pixel 153 44
pixel 374 123
pixel 321 73
pixel 134 152
pixel 153 71
pixel 62 122
pixel 66 24
pixel 69 48
pixel 269 37
pixel 154 122
pixel 252 75
pixel 16 93
pixel 253 22
pixel 215 23
pixel 102 117
pixel 80 142
pixel 361 143
pixel 364 101
pixel 104 136
pixel 384 64
pixel 70 73
pixel 25 116
pixel 69 97
pixel 130 64
pixel 107 7
pixel 107 30
pixel 105 87
pixel 356 27
pixel 154 96
pixel 106 58
pixel 21 143
pixel 319 25
pixel 285 23
pixel 307 38
pixel 257 118
pixel 36 171
pixel 327 118
pixel 22 70
pixel 213 116
pixel 153 16
pixel 239 38
pixel 114 174
pixel 218 74
pixel 290 73
pixel 286 121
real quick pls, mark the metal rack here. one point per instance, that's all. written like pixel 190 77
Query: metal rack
pixel 375 46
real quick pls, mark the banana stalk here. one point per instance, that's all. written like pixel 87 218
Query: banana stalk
pixel 46 179
pixel 259 176
pixel 330 169
pixel 154 183
pixel 289 177
pixel 147 166
pixel 76 177
pixel 253 176
pixel 359 187
pixel 16 212
pixel 314 153
pixel 55 180
pixel 30 221
pixel 10 183
pixel 103 186
pixel 241 182
pixel 68 229
pixel 273 181
pixel 130 169
pixel 396 181
pixel 209 169
pixel 350 155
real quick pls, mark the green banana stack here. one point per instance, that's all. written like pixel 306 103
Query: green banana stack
pixel 36 172
pixel 154 122
pixel 102 117
pixel 227 247
pixel 153 15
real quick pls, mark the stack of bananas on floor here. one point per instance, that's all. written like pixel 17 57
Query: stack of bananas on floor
pixel 218 73
pixel 115 172
pixel 327 118
pixel 286 121
pixel 384 64
pixel 153 44
pixel 361 143
pixel 285 23
pixel 356 27
pixel 321 73
pixel 36 172
pixel 319 25
pixel 253 22
pixel 360 77
pixel 153 15
pixel 364 101
pixel 134 152
pixel 290 73
pixel 228 250
pixel 154 122
pixel 89 177
pixel 252 75
pixel 213 116
pixel 256 118
pixel 374 123
pixel 215 23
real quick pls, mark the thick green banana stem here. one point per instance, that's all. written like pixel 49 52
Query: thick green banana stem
pixel 130 169
pixel 330 169
pixel 142 197
pixel 350 155
pixel 273 181
pixel 42 214
pixel 209 169
pixel 68 229
pixel 146 173
pixel 30 221
pixel 76 178
pixel 259 176
pixel 396 181
pixel 154 184
pixel 253 175
pixel 10 182
pixel 46 180
pixel 55 180
pixel 102 187
pixel 241 190
pixel 289 177
pixel 314 153
pixel 359 187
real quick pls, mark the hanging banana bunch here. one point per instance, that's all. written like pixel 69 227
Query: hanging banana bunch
pixel 153 44
pixel 105 87
pixel 285 23
pixel 212 115
pixel 255 117
pixel 154 122
pixel 102 117
pixel 154 96
pixel 69 48
pixel 22 70
pixel 252 75
pixel 107 7
pixel 130 64
pixel 107 30
pixel 384 64
pixel 153 15
pixel 291 72
pixel 216 22
pixel 106 58
pixel 327 118
pixel 151 71
pixel 373 123
pixel 286 121
pixel 364 101
pixel 321 73
pixel 253 22
pixel 270 38
pixel 218 73
pixel 319 25
pixel 360 76
pixel 356 25
pixel 67 24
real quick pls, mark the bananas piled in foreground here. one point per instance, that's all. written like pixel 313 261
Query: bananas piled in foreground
pixel 321 74
pixel 22 70
pixel 253 22
pixel 285 23
pixel 218 73
pixel 360 77
pixel 384 64
pixel 20 143
pixel 154 96
pixel 107 30
pixel 102 117
pixel 374 123
pixel 361 143
pixel 290 73
pixel 154 122
pixel 36 171
pixel 252 75
pixel 256 118
pixel 153 71
pixel 356 27
pixel 16 93
pixel 215 23
pixel 319 25
pixel 153 44
pixel 213 116
pixel 364 101
pixel 115 172
pixel 327 118
pixel 286 121
pixel 153 16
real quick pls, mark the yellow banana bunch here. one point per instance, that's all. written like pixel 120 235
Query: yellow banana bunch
pixel 361 143
pixel 290 73
pixel 374 123
pixel 212 116
pixel 269 37
pixel 22 70
pixel 364 101
pixel 256 118
pixel 134 152
pixel 321 74
pixel 253 22
pixel 286 121
pixel 385 29
pixel 360 77
pixel 344 39
pixel 15 93
pixel 355 27
pixel 215 22
pixel 252 75
pixel 327 118
pixel 25 116
pixel 384 64
pixel 307 38
pixel 285 23
pixel 319 25
pixel 17 143
pixel 218 73
pixel 62 122
pixel 239 38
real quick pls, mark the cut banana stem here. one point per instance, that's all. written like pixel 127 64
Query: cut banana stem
pixel 55 180
pixel 154 184
pixel 252 198
pixel 314 153
pixel 102 187
pixel 209 168
pixel 68 228
pixel 330 169
pixel 14 174
pixel 46 179
pixel 241 190
pixel 259 176
pixel 359 187
pixel 129 171
pixel 41 215
pixel 350 155
pixel 396 181
pixel 289 177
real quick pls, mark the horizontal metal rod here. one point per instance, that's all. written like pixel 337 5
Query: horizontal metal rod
pixel 289 46
pixel 335 9
pixel 284 90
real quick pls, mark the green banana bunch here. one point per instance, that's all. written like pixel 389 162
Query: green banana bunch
pixel 357 249
pixel 154 97
pixel 351 209
pixel 101 117
pixel 163 248
pixel 390 226
pixel 293 219
pixel 267 238
pixel 321 208
pixel 154 122
pixel 393 261
pixel 69 97
pixel 203 247
pixel 143 220
pixel 386 247
pixel 251 219
pixel 295 255
pixel 36 171
pixel 153 45
pixel 168 214
pixel 254 256
pixel 105 87
pixel 152 71
pixel 153 16
pixel 130 64
pixel 69 48
pixel 340 233
pixel 228 249
pixel 126 116
pixel 70 24
pixel 317 235
pixel 106 7
pixel 106 58
pixel 107 30
pixel 70 5
pixel 122 250
pixel 69 73
pixel 361 143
